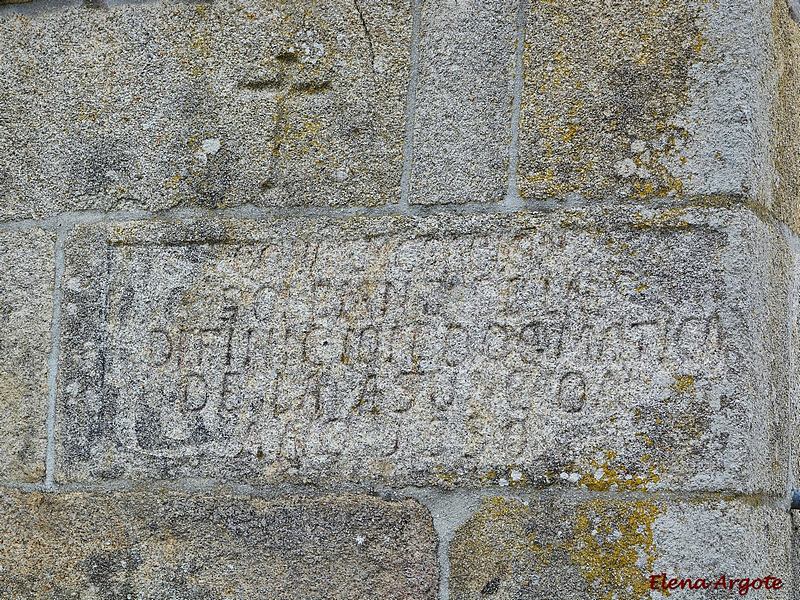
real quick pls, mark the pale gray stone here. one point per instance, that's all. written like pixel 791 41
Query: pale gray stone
pixel 156 545
pixel 462 125
pixel 788 361
pixel 26 300
pixel 203 104
pixel 794 9
pixel 627 349
pixel 551 546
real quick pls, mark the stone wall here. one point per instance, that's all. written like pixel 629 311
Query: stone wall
pixel 379 299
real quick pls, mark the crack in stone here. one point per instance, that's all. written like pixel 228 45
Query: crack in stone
pixel 368 34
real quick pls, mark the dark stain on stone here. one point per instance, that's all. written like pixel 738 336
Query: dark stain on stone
pixel 111 572
pixel 148 427
pixel 312 87
pixel 491 587
pixel 288 57
pixel 92 167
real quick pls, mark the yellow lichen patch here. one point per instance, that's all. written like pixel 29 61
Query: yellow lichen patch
pixel 489 477
pixel 684 384
pixel 572 129
pixel 296 139
pixel 600 117
pixel 699 42
pixel 610 474
pixel 665 218
pixel 172 182
pixel 652 178
pixel 200 43
pixel 445 476
pixel 193 40
pixel 87 113
pixel 605 546
pixel 491 544
pixel 613 548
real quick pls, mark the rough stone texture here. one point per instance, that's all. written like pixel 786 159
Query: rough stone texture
pixel 599 547
pixel 786 122
pixel 638 100
pixel 185 104
pixel 462 126
pixel 617 349
pixel 789 362
pixel 159 545
pixel 796 553
pixel 26 300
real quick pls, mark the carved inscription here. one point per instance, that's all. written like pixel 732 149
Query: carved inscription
pixel 298 351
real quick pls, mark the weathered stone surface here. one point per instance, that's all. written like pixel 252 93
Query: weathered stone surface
pixel 463 119
pixel 617 349
pixel 26 300
pixel 796 553
pixel 159 545
pixel 639 100
pixel 786 128
pixel 555 547
pixel 789 362
pixel 183 104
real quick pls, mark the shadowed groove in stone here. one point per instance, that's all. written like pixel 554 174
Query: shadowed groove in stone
pixel 53 360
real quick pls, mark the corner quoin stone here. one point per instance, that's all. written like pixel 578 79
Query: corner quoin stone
pixel 26 301
pixel 154 545
pixel 152 106
pixel 625 349
pixel 552 546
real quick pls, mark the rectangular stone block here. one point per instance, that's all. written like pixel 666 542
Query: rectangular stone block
pixel 786 123
pixel 796 553
pixel 552 546
pixel 150 106
pixel 656 99
pixel 159 545
pixel 789 362
pixel 626 349
pixel 462 124
pixel 26 306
